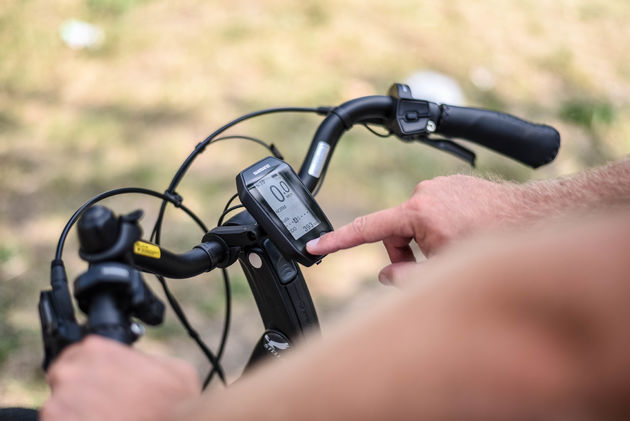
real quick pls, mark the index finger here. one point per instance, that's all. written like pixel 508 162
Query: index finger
pixel 377 226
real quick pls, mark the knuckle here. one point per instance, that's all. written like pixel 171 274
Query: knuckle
pixel 436 239
pixel 92 343
pixel 61 374
pixel 417 208
pixel 421 186
pixel 408 206
pixel 359 224
pixel 328 238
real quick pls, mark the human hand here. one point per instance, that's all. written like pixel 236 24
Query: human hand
pixel 549 305
pixel 439 211
pixel 520 325
pixel 99 379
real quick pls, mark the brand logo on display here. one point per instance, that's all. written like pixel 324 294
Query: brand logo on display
pixel 261 169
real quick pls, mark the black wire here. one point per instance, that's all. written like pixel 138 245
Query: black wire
pixel 155 234
pixel 226 279
pixel 226 282
pixel 228 301
pixel 116 192
pixel 374 132
pixel 269 146
pixel 157 227
pixel 227 209
pixel 201 146
pixel 225 212
pixel 214 360
pixel 171 196
pixel 227 205
pixel 226 327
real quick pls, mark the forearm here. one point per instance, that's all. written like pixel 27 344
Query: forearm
pixel 465 344
pixel 446 209
pixel 462 343
pixel 410 360
pixel 600 187
pixel 345 377
pixel 383 367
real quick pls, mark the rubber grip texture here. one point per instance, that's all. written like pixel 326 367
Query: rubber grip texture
pixel 18 414
pixel 529 143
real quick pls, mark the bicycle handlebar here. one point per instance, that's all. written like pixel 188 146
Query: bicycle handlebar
pixel 375 109
pixel 529 143
pixel 155 259
pixel 112 290
pixel 413 119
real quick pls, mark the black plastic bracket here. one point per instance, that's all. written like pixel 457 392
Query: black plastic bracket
pixel 234 238
pixel 414 118
pixel 58 330
pixel 175 198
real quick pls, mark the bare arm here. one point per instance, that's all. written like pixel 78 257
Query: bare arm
pixel 595 188
pixel 445 209
pixel 465 344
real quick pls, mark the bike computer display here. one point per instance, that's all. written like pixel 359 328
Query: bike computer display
pixel 275 196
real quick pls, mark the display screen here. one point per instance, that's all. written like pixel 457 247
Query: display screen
pixel 289 208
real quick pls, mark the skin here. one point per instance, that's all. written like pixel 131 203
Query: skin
pixel 446 209
pixel 99 379
pixel 520 326
pixel 531 326
pixel 439 212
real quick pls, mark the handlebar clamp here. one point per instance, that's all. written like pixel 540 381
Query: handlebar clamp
pixel 413 118
pixel 233 238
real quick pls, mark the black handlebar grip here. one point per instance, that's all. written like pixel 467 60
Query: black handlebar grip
pixel 106 319
pixel 532 144
pixel 18 414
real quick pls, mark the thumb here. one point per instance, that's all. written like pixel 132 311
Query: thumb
pixel 398 274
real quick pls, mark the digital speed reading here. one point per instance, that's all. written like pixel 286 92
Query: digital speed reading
pixel 293 214
pixel 285 209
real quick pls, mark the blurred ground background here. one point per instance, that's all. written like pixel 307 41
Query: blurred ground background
pixel 77 122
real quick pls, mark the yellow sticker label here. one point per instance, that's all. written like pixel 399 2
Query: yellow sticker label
pixel 146 249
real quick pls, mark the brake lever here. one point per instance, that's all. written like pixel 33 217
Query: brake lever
pixel 455 149
pixel 58 330
pixel 58 322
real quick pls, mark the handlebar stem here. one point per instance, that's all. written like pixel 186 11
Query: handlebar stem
pixel 340 119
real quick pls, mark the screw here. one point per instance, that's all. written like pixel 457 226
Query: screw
pixel 431 126
pixel 137 329
pixel 255 260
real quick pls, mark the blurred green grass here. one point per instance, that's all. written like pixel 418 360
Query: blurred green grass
pixel 74 123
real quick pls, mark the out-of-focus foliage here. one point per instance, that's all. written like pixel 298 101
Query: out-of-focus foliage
pixel 76 122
